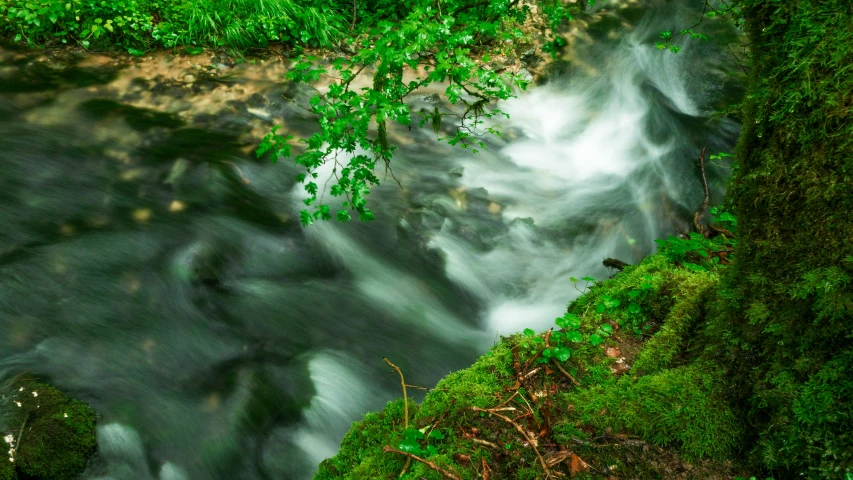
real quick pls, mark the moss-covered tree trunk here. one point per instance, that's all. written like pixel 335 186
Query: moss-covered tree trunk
pixel 786 311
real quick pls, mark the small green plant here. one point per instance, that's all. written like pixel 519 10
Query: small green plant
pixel 553 47
pixel 690 251
pixel 588 280
pixel 418 442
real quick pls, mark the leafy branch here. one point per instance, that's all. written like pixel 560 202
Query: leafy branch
pixel 425 45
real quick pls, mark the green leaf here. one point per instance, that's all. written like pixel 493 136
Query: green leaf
pixel 574 336
pixel 529 332
pixel 606 327
pixel 588 279
pixel 17 38
pixel 569 321
pixel 410 445
pixel 305 218
pixel 595 339
pixel 436 434
pixel 343 216
pixel 562 354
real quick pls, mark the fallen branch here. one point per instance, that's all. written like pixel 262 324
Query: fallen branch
pixel 567 374
pixel 483 442
pixel 720 231
pixel 615 263
pixel 508 399
pixel 524 434
pixel 405 408
pixel 410 456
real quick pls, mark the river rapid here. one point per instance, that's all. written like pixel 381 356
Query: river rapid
pixel 153 267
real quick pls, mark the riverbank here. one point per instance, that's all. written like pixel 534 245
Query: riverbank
pixel 588 399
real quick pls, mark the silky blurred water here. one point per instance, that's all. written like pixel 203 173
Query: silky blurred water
pixel 150 265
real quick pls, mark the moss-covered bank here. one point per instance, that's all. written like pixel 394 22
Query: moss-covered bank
pixel 632 406
pixel 48 435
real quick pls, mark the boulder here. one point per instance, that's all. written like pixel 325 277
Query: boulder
pixel 48 435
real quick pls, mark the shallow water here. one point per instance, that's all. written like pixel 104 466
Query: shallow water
pixel 150 265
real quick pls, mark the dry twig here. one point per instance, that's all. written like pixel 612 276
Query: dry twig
pixel 524 434
pixel 567 374
pixel 429 464
pixel 405 408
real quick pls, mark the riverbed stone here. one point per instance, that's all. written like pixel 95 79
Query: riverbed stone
pixel 53 434
pixel 556 70
pixel 524 75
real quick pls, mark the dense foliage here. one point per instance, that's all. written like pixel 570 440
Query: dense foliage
pixel 448 43
pixel 786 306
pixel 140 25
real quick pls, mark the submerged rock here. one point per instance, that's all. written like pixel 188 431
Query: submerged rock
pixel 50 435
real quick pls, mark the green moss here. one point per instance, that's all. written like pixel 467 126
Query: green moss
pixel 477 386
pixel 786 303
pixel 7 469
pixel 690 291
pixel 648 277
pixel 57 433
pixel 361 454
pixel 676 407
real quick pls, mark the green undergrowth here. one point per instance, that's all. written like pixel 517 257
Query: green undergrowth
pixel 674 407
pixel 639 402
pixel 783 319
pixel 49 435
pixel 140 25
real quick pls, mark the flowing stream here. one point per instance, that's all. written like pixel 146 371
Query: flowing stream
pixel 150 265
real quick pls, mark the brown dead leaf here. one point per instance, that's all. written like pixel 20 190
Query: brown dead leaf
pixel 577 465
pixel 548 370
pixel 620 367
pixel 462 459
pixel 514 387
pixel 486 469
pixel 613 352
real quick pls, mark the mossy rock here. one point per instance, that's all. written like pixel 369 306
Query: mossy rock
pixel 7 469
pixel 57 432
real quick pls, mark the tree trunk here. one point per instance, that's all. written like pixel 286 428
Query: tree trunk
pixel 785 313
